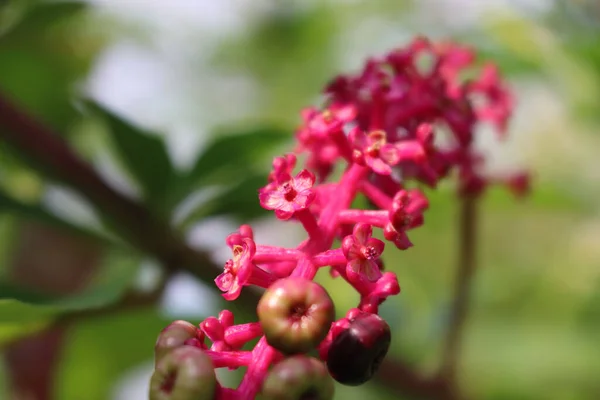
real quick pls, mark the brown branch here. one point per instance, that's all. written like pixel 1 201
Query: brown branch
pixel 403 380
pixel 48 151
pixel 462 288
pixel 142 230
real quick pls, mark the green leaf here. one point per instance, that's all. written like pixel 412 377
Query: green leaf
pixel 102 351
pixel 42 56
pixel 37 212
pixel 239 201
pixel 230 155
pixel 22 307
pixel 143 153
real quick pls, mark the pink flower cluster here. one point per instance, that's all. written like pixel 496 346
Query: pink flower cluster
pixel 407 117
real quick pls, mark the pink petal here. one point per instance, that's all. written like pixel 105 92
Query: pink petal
pixel 378 165
pixel 362 233
pixel 376 244
pixel 402 241
pixel 224 281
pixel 249 250
pixel 371 270
pixel 354 267
pixel 358 138
pixel 271 200
pixel 304 180
pixel 233 240
pixel 345 113
pixel 284 214
pixel 390 154
pixel 244 273
pixel 350 247
pixel 234 291
pixel 304 199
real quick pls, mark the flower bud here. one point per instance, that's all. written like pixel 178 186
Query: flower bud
pixel 356 353
pixel 185 373
pixel 173 336
pixel 298 377
pixel 295 314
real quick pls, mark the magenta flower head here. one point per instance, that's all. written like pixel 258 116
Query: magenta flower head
pixel 362 252
pixel 237 270
pixel 378 130
pixel 290 195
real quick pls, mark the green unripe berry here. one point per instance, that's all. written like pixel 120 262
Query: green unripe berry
pixel 172 337
pixel 298 378
pixel 295 314
pixel 185 373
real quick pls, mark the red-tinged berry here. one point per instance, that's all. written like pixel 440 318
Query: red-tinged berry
pixel 295 314
pixel 173 336
pixel 356 353
pixel 298 378
pixel 185 373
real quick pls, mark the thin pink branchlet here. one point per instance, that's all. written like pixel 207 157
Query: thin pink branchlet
pixel 381 124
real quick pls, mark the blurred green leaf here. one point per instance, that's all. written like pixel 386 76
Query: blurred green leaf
pixel 144 154
pixel 231 156
pixel 239 201
pixel 101 350
pixel 42 57
pixel 10 205
pixel 27 307
pixel 11 12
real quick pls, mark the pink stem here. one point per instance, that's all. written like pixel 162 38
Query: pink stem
pixel 262 355
pixel 268 254
pixel 305 269
pixel 378 218
pixel 347 189
pixel 238 335
pixel 380 199
pixel 309 223
pixel 223 359
pixel 330 257
pixel 261 278
pixel 341 141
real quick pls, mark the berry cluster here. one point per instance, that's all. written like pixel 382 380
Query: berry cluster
pixel 407 118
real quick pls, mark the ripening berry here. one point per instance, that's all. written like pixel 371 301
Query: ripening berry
pixel 173 336
pixel 185 373
pixel 295 314
pixel 296 378
pixel 357 352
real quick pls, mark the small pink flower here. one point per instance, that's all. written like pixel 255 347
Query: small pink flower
pixel 498 100
pixel 292 195
pixel 238 270
pixel 406 213
pixel 237 238
pixel 283 167
pixel 374 151
pixel 362 252
pixel 321 124
pixel 519 183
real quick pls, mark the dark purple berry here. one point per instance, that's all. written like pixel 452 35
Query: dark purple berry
pixel 173 336
pixel 356 353
pixel 298 378
pixel 295 314
pixel 185 373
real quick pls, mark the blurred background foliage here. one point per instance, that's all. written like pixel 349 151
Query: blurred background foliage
pixel 181 105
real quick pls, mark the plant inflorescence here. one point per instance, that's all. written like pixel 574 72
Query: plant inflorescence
pixel 407 119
